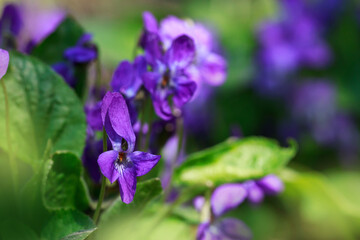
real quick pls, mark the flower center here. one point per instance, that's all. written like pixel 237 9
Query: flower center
pixel 121 157
pixel 165 80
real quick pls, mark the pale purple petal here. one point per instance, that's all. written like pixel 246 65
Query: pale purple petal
pixel 150 23
pixel 226 197
pixel 213 69
pixel 116 119
pixel 106 162
pixel 254 193
pixel 172 27
pixel 4 62
pixel 233 229
pixel 127 183
pixel 181 53
pixel 143 162
pixel 199 202
pixel 271 184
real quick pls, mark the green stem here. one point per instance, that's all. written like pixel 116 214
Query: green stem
pixel 103 184
pixel 13 165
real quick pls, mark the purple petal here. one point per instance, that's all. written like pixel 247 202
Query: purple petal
pixel 181 53
pixel 11 19
pixel 127 183
pixel 153 49
pixel 226 197
pixel 80 54
pixel 143 162
pixel 162 108
pixel 203 233
pixel 254 192
pixel 233 229
pixel 84 39
pixel 4 62
pixel 184 91
pixel 172 27
pixel 150 80
pixel 127 76
pixel 199 202
pixel 93 116
pixel 116 119
pixel 213 69
pixel 150 23
pixel 66 70
pixel 271 184
pixel 106 162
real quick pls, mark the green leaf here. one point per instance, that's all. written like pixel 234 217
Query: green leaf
pixel 234 161
pixel 51 50
pixel 63 186
pixel 145 192
pixel 68 225
pixel 44 112
pixel 10 229
pixel 320 203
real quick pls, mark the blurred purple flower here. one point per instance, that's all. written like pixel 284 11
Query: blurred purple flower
pixel 227 228
pixel 127 76
pixel 314 102
pixel 226 197
pixel 169 78
pixel 24 26
pixel 4 62
pixel 67 71
pixel 93 115
pixel 122 163
pixel 83 52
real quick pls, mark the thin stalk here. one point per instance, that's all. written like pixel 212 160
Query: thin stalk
pixel 13 165
pixel 180 134
pixel 103 184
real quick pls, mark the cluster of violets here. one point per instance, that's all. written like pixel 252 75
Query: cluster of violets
pixel 230 196
pixel 289 44
pixel 178 70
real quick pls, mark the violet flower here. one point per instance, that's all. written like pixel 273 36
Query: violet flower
pixel 227 228
pixel 4 62
pixel 11 23
pixel 122 163
pixel 127 76
pixel 83 52
pixel 226 197
pixel 67 71
pixel 169 79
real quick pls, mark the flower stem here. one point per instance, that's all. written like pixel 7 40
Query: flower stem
pixel 103 184
pixel 180 135
pixel 13 165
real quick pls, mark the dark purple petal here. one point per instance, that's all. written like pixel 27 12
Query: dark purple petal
pixel 11 20
pixel 254 193
pixel 162 108
pixel 127 76
pixel 4 62
pixel 106 162
pixel 213 69
pixel 93 116
pixel 271 184
pixel 226 197
pixel 86 38
pixel 150 23
pixel 184 91
pixel 199 202
pixel 150 80
pixel 116 119
pixel 233 229
pixel 127 183
pixel 66 70
pixel 181 53
pixel 143 162
pixel 80 54
pixel 92 150
pixel 153 49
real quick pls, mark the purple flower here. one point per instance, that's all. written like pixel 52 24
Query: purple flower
pixel 93 115
pixel 4 62
pixel 93 149
pixel 11 23
pixel 226 197
pixel 169 79
pixel 83 52
pixel 256 189
pixel 67 71
pixel 127 76
pixel 254 193
pixel 122 163
pixel 227 228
